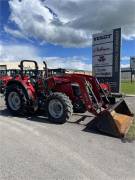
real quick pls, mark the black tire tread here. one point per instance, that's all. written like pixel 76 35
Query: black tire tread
pixel 23 109
pixel 67 104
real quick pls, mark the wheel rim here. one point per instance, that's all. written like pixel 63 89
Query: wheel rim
pixel 55 108
pixel 14 101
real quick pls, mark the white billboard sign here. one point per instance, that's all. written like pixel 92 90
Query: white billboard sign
pixel 102 60
pixel 101 38
pixel 102 52
pixel 106 57
pixel 103 71
pixel 100 49
pixel 132 62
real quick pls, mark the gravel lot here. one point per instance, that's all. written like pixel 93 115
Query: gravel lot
pixel 33 149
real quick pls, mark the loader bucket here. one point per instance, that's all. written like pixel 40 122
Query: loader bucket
pixel 116 120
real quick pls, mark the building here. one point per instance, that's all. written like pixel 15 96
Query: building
pixel 15 64
pixel 126 74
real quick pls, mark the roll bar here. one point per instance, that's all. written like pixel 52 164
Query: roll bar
pixel 21 66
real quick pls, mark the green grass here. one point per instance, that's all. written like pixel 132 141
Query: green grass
pixel 131 133
pixel 127 87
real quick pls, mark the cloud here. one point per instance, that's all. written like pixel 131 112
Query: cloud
pixel 17 52
pixel 71 23
pixel 92 16
pixel 15 33
pixel 125 65
pixel 125 62
pixel 125 58
pixel 77 63
pixel 34 20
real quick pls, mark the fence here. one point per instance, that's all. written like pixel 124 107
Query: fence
pixel 127 75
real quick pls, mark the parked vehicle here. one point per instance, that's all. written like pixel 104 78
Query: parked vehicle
pixel 62 94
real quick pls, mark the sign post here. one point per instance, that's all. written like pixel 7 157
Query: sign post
pixel 132 67
pixel 106 57
pixel 132 62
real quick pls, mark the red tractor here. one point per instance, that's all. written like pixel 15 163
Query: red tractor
pixel 4 77
pixel 62 94
pixel 8 74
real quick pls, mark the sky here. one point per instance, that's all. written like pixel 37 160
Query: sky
pixel 60 31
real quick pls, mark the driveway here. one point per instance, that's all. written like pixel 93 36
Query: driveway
pixel 31 148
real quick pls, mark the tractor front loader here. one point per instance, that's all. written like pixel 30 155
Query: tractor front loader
pixel 60 95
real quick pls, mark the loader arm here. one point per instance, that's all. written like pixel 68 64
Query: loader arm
pixel 88 96
pixel 97 89
pixel 114 120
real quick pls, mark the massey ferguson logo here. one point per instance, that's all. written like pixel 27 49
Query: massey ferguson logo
pixel 101 58
pixel 108 36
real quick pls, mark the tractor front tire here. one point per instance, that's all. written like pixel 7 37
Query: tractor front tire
pixel 16 100
pixel 59 108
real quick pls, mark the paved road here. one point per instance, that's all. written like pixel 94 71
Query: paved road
pixel 34 149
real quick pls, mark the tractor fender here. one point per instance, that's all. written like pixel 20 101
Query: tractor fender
pixel 27 87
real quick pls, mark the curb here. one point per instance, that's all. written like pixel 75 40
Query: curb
pixel 130 95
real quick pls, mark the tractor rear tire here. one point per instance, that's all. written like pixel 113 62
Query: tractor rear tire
pixel 16 100
pixel 59 108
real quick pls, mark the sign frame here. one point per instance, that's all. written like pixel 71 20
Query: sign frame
pixel 132 62
pixel 115 42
